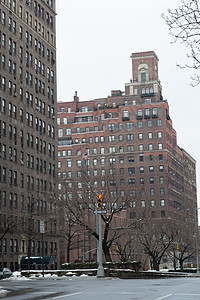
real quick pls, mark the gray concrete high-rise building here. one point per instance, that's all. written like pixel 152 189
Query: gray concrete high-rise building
pixel 28 138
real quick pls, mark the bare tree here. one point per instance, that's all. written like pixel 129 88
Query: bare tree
pixel 78 204
pixel 70 232
pixel 183 247
pixel 184 25
pixel 156 236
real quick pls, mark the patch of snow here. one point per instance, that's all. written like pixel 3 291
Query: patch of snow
pixel 13 278
pixel 16 274
pixel 3 293
pixel 84 275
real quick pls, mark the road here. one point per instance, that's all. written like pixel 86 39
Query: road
pixel 92 288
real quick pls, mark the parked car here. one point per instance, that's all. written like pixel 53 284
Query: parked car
pixel 5 273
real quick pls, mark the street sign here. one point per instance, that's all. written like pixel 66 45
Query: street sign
pixel 100 211
pixel 41 226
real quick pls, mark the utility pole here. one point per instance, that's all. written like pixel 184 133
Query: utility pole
pixel 99 211
pixel 42 233
pixel 196 238
pixel 100 270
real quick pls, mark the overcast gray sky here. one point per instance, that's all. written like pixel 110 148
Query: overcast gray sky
pixel 94 42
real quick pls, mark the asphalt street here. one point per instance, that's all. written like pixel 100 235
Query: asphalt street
pixel 93 288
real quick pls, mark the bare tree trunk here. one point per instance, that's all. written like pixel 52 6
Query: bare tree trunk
pixel 156 264
pixel 68 252
pixel 29 255
pixel 106 252
pixel 181 264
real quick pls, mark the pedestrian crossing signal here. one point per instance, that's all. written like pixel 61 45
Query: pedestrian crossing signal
pixel 99 201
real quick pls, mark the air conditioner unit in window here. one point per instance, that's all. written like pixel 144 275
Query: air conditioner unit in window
pixel 11 158
pixel 21 162
pixel 37 108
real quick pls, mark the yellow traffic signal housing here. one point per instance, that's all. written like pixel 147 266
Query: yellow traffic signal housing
pixel 99 201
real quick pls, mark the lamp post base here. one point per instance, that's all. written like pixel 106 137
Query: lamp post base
pixel 100 272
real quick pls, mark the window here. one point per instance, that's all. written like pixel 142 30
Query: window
pixel 141 147
pixel 131 170
pixel 141 169
pixel 141 180
pixel 111 149
pixel 139 113
pixel 69 163
pixel 143 203
pixel 111 138
pixel 151 180
pixel 161 168
pixel 120 137
pixel 150 135
pixel 122 182
pixel 151 169
pixel 121 171
pixel 143 76
pixel 159 123
pixel 131 159
pixel 141 158
pixel 129 125
pixel 60 132
pixel 162 202
pixel 130 148
pixel 161 180
pixel 131 181
pixel 152 203
pixel 111 127
pixel 150 147
pixel 162 191
pixel 150 157
pixel 95 162
pixel 152 191
pixel 112 160
pixel 125 114
pixel 102 161
pixel 149 123
pixel 160 146
pixel 102 139
pixel 139 124
pixel 159 134
pixel 140 136
pixel 130 137
pixel 155 112
pixel 68 131
pixel 79 163
pixel 121 149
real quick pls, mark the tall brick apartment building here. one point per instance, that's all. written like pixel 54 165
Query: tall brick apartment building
pixel 129 138
pixel 28 134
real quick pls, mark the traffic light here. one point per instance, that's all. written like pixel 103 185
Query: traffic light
pixel 99 201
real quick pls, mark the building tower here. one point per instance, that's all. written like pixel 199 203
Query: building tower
pixel 28 138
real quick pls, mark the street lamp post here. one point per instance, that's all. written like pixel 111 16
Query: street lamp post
pixel 100 270
pixel 42 234
pixel 196 238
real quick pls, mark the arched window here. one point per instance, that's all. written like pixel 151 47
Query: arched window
pixel 143 91
pixel 147 90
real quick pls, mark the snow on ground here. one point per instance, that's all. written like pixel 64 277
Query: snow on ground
pixel 3 293
pixel 16 276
